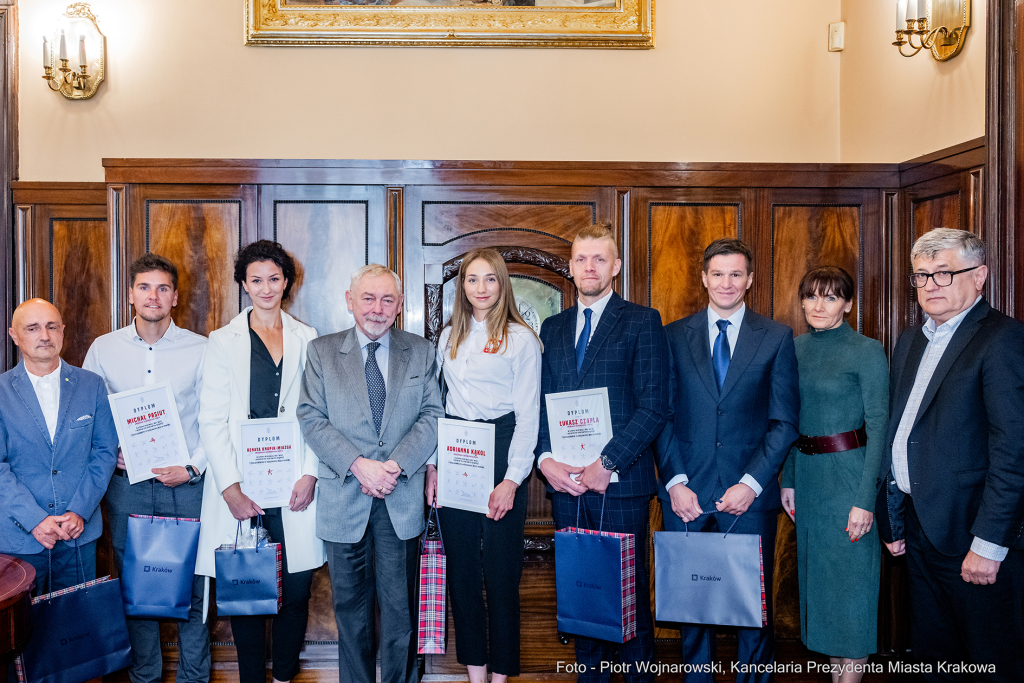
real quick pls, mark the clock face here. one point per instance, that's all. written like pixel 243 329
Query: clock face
pixel 529 313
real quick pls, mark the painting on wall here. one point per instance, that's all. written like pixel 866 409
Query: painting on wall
pixel 618 24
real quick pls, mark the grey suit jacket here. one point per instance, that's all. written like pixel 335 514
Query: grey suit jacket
pixel 334 411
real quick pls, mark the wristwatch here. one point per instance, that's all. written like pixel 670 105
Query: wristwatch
pixel 607 463
pixel 194 476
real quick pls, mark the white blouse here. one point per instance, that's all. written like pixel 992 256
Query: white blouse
pixel 485 386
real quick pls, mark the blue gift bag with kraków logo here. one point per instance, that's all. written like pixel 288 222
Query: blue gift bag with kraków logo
pixel 248 579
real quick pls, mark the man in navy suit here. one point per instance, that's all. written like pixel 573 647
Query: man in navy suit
pixel 58 447
pixel 604 341
pixel 736 409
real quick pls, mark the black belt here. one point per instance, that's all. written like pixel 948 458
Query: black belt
pixel 837 443
pixel 121 473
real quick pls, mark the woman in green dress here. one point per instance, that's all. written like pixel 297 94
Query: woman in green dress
pixel 830 476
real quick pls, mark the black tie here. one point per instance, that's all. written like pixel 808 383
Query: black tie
pixel 375 384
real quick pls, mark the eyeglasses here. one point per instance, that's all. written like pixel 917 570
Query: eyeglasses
pixel 943 278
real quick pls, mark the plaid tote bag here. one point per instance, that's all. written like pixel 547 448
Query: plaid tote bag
pixel 595 582
pixel 430 636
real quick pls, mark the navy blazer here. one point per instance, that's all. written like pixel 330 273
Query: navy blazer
pixel 715 437
pixel 965 452
pixel 627 354
pixel 40 478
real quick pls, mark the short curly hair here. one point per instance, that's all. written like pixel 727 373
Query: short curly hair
pixel 266 250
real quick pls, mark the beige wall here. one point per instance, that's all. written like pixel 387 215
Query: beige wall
pixel 893 108
pixel 745 80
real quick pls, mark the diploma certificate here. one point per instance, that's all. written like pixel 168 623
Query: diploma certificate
pixel 580 424
pixel 270 460
pixel 149 430
pixel 465 464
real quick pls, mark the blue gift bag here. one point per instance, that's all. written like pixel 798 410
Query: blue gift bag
pixel 78 633
pixel 159 566
pixel 595 582
pixel 248 579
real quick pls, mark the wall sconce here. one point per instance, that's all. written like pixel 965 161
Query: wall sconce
pixel 951 19
pixel 76 31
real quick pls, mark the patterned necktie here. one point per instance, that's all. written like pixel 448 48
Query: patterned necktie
pixel 721 353
pixel 581 343
pixel 375 384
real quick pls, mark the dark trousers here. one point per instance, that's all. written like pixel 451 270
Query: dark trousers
pixel 483 552
pixel 954 621
pixel 755 645
pixel 59 568
pixel 148 498
pixel 381 566
pixel 288 630
pixel 624 516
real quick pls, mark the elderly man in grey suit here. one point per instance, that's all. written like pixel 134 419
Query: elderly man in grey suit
pixel 369 410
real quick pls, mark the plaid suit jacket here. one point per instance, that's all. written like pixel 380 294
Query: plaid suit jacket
pixel 628 354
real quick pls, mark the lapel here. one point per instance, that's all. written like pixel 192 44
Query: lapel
pixel 68 387
pixel 700 351
pixel 747 343
pixel 398 363
pixel 609 319
pixel 568 334
pixel 292 353
pixel 23 387
pixel 906 380
pixel 241 356
pixel 969 326
pixel 352 364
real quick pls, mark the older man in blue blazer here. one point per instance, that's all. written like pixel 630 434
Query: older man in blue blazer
pixel 736 408
pixel 604 341
pixel 58 447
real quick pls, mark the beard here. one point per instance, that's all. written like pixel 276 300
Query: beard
pixel 592 289
pixel 376 325
pixel 151 316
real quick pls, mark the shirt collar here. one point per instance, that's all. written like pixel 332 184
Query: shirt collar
pixel 478 325
pixel 931 328
pixel 364 340
pixel 170 334
pixel 735 319
pixel 598 306
pixel 51 377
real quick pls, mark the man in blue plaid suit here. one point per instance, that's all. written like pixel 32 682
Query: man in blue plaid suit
pixel 604 341
pixel 736 409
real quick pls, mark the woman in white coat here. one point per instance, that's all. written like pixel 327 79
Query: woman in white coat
pixel 253 369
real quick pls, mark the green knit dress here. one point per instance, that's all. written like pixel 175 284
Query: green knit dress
pixel 844 383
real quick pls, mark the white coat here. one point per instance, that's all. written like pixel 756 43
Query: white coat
pixel 224 398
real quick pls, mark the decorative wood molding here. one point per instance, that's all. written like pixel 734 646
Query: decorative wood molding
pixel 8 168
pixel 533 257
pixel 1004 92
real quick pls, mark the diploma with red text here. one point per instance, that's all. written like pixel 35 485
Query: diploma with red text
pixel 580 424
pixel 149 430
pixel 465 464
pixel 270 460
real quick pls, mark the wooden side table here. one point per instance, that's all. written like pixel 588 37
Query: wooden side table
pixel 17 579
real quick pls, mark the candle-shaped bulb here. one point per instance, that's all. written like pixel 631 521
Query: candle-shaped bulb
pixel 901 15
pixel 81 50
pixel 922 10
pixel 46 52
pixel 63 46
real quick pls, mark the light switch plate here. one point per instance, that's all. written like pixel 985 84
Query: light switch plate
pixel 836 36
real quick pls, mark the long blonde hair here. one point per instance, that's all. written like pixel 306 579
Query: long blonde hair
pixel 499 316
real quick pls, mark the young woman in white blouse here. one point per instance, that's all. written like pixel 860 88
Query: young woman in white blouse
pixel 491 364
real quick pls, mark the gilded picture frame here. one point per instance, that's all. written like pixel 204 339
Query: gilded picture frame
pixel 614 24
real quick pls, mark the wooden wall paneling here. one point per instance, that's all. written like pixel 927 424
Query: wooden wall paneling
pixel 63 252
pixel 442 223
pixel 812 228
pixel 117 219
pixel 1004 94
pixel 330 231
pixel 200 228
pixel 670 230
